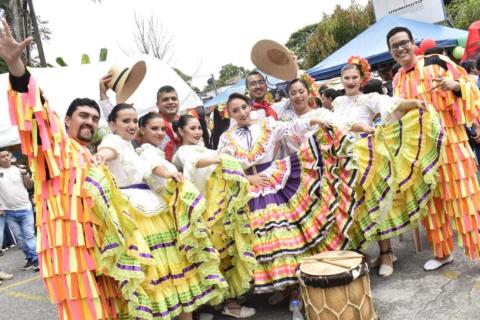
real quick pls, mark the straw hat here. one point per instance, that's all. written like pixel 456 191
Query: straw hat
pixel 274 59
pixel 126 80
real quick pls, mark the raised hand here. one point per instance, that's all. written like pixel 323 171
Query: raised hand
pixel 11 50
pixel 103 86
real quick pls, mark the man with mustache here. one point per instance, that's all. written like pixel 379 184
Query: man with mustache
pixel 59 160
pixel 442 83
pixel 257 90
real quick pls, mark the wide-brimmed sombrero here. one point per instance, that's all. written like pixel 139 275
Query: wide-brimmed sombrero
pixel 274 59
pixel 126 80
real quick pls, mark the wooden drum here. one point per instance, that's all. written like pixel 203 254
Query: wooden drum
pixel 336 286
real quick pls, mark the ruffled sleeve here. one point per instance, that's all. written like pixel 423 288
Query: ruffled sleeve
pixel 384 105
pixel 106 106
pixel 154 157
pixel 297 128
pixel 114 142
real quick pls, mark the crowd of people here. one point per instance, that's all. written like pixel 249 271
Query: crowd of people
pixel 160 219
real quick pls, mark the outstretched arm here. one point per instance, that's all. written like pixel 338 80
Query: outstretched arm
pixel 163 172
pixel 207 161
pixel 11 50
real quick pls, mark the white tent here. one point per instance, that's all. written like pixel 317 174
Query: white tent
pixel 63 84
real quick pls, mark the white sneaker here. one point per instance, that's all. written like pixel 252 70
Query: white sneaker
pixel 434 264
pixel 5 276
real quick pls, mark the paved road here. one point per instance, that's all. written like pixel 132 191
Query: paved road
pixel 449 293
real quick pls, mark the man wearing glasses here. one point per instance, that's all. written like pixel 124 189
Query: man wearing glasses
pixel 456 200
pixel 257 90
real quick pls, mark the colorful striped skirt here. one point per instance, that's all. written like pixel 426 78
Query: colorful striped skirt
pixel 306 209
pixel 164 263
pixel 398 173
pixel 227 221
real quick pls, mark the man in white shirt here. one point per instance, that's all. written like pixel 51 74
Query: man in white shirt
pixel 16 207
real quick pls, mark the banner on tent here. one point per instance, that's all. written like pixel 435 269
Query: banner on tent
pixel 422 10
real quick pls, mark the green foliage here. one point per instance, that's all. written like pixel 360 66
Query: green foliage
pixel 85 59
pixel 462 13
pixel 61 62
pixel 298 42
pixel 103 54
pixel 229 73
pixel 335 30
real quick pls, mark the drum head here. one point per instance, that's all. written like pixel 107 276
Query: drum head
pixel 333 268
pixel 330 263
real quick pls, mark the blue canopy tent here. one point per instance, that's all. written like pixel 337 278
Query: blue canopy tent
pixel 371 44
pixel 238 87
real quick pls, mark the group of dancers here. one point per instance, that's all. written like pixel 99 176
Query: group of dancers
pixel 126 233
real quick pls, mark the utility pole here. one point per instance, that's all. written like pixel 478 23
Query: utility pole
pixel 38 38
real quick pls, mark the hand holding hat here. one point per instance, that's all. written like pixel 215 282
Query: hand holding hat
pixel 123 80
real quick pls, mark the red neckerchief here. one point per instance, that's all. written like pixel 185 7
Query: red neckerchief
pixel 174 141
pixel 265 106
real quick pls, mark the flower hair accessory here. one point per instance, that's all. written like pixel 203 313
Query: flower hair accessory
pixel 312 88
pixel 365 70
pixel 222 110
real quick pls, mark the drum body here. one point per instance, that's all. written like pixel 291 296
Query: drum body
pixel 335 286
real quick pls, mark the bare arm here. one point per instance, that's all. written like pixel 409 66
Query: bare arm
pixel 162 172
pixel 207 161
pixel 11 50
pixel 104 155
pixel 26 179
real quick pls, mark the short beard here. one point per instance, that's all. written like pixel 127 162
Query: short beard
pixel 84 139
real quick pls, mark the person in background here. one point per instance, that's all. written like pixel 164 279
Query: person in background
pixel 221 123
pixel 469 66
pixel 328 96
pixel 257 90
pixel 321 89
pixel 16 206
pixel 375 85
pixel 168 106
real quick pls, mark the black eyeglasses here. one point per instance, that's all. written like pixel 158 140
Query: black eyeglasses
pixel 403 44
pixel 256 83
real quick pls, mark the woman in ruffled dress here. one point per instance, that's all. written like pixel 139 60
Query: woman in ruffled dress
pixel 155 244
pixel 285 207
pixel 222 182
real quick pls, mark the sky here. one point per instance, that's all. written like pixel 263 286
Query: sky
pixel 206 34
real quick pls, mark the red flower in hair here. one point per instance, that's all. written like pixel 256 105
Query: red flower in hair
pixel 312 89
pixel 364 66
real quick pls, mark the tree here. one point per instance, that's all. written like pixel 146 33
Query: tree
pixel 462 13
pixel 151 37
pixel 229 73
pixel 335 30
pixel 19 15
pixel 298 42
